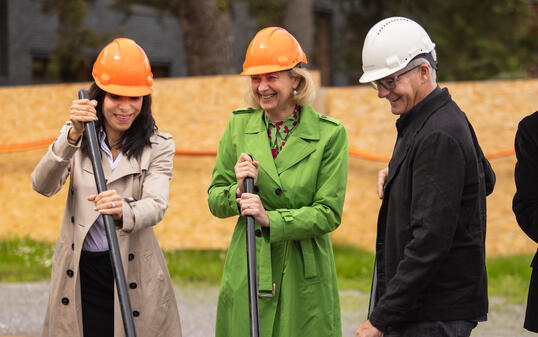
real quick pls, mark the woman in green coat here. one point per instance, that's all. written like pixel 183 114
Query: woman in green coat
pixel 299 163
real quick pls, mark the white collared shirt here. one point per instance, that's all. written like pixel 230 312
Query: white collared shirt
pixel 96 240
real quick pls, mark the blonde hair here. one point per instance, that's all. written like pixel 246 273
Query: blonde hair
pixel 306 91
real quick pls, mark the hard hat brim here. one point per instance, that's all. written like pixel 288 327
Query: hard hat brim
pixel 258 70
pixel 374 75
pixel 122 90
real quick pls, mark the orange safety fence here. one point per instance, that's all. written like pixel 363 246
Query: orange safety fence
pixel 353 151
pixel 20 147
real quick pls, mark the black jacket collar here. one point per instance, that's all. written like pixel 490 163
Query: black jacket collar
pixel 410 124
pixel 420 112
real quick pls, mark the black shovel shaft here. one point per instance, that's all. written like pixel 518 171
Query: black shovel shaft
pixel 373 291
pixel 251 268
pixel 115 257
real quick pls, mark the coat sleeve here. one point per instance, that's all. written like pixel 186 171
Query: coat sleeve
pixel 525 203
pixel 437 189
pixel 53 169
pixel 221 192
pixel 150 209
pixel 325 212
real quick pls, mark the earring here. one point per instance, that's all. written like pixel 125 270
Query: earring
pixel 295 91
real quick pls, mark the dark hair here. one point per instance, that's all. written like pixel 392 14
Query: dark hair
pixel 137 136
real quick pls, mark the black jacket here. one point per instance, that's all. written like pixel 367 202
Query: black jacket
pixel 430 251
pixel 525 203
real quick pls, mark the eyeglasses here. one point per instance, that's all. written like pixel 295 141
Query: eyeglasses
pixel 389 83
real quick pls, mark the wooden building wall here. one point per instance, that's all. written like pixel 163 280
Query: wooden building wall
pixel 195 111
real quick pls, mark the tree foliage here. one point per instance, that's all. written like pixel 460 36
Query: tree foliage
pixel 296 16
pixel 207 36
pixel 299 21
pixel 475 40
pixel 267 13
pixel 206 27
pixel 69 54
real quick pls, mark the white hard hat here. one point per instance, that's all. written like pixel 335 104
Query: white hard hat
pixel 390 45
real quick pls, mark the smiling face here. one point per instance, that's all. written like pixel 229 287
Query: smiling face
pixel 274 91
pixel 119 113
pixel 407 93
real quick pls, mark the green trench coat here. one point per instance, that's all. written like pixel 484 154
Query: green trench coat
pixel 303 192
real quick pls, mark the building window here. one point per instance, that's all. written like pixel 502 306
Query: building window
pixel 40 69
pixel 160 69
pixel 44 70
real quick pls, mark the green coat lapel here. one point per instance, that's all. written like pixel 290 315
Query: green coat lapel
pixel 257 144
pixel 299 145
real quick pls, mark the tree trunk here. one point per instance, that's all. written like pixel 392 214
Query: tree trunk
pixel 299 21
pixel 207 36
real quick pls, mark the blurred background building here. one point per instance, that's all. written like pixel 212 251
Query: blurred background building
pixel 52 41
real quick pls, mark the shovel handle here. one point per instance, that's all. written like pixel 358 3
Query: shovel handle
pixel 115 257
pixel 251 267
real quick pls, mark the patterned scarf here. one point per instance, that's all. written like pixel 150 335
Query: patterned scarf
pixel 279 132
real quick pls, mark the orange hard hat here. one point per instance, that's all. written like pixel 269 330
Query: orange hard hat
pixel 272 49
pixel 122 68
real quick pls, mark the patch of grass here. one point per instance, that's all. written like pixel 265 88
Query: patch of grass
pixel 354 268
pixel 24 260
pixel 204 266
pixel 509 277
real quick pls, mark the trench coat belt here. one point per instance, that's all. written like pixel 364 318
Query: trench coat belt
pixel 266 286
pixel 310 268
pixel 307 249
pixel 265 270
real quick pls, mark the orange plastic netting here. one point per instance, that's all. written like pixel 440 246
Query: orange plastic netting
pixel 353 151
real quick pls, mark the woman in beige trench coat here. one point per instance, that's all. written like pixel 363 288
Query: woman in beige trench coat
pixel 137 162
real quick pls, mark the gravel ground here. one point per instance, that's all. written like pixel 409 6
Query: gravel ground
pixel 22 307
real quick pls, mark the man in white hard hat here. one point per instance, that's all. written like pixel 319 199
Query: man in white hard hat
pixel 430 275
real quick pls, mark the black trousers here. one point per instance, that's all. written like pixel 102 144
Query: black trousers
pixel 97 290
pixel 435 329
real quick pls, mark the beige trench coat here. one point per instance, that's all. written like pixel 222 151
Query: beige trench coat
pixel 144 185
